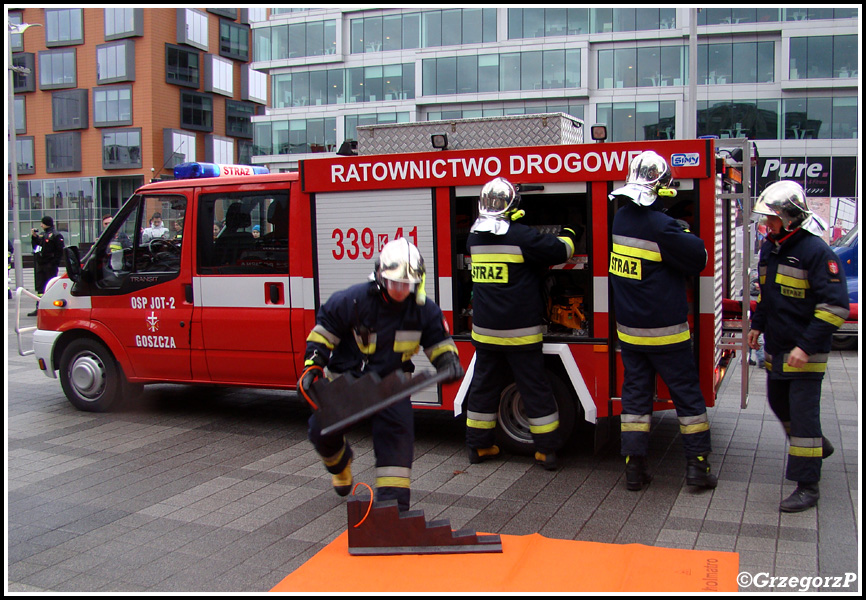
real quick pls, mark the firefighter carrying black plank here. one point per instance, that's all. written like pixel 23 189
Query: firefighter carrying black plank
pixel 652 255
pixel 377 327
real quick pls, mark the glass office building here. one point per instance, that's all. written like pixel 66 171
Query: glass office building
pixel 787 78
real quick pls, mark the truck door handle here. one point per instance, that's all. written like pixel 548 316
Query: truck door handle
pixel 187 292
pixel 275 292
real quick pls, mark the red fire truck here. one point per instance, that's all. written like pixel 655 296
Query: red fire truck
pixel 231 299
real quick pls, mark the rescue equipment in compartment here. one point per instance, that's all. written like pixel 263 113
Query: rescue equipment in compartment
pixel 200 170
pixel 565 305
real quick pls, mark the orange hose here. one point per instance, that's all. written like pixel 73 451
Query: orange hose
pixel 371 500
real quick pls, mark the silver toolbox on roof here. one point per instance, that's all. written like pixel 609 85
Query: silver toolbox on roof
pixel 545 129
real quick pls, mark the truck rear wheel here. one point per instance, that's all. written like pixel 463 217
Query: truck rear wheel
pixel 512 431
pixel 89 375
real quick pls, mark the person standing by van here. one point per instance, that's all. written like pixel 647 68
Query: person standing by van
pixel 47 254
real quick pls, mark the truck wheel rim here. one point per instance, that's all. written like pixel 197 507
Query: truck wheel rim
pixel 87 375
pixel 512 418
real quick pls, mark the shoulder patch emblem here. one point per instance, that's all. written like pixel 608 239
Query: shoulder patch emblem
pixel 833 267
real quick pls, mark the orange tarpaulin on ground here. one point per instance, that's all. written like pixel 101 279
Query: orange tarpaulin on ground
pixel 529 563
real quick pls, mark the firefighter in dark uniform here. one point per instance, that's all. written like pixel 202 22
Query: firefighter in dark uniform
pixel 509 261
pixel 651 257
pixel 377 327
pixel 803 300
pixel 47 253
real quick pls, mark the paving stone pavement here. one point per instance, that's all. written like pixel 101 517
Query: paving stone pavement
pixel 218 490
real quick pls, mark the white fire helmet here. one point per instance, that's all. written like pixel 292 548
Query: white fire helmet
pixel 647 174
pixel 497 203
pixel 787 200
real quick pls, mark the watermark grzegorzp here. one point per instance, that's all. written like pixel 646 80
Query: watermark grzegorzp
pixel 802 583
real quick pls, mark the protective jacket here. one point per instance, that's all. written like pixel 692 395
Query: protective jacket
pixel 47 248
pixel 651 257
pixel 804 299
pixel 358 330
pixel 507 273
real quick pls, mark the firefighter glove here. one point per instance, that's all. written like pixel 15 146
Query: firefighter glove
pixel 572 232
pixel 313 371
pixel 686 227
pixel 448 362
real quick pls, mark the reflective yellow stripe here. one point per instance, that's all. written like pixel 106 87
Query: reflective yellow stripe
pixel 793 282
pixel 653 340
pixel 405 347
pixel 544 428
pixel 476 424
pixel 807 452
pixel 512 341
pixel 696 428
pixel 637 252
pixel 320 339
pixel 493 258
pixel 439 350
pixel 635 427
pixel 808 368
pixel 330 461
pixel 567 241
pixel 398 482
pixel 829 318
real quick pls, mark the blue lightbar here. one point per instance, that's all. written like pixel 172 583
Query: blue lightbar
pixel 198 170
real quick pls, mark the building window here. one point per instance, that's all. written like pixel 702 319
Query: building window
pixel 338 86
pixel 121 149
pixel 234 41
pixel 299 136
pixel 823 57
pixel 471 74
pixel 24 82
pixel 16 39
pixel 228 13
pixel 642 67
pixel 219 150
pixel 24 155
pixel 754 63
pixel 123 22
pixel 112 106
pixel 638 121
pixel 181 66
pixel 280 42
pixel 63 27
pixel 353 121
pixel 57 69
pixel 254 85
pixel 239 121
pixel 196 111
pixel 63 152
pixel 192 28
pixel 218 75
pixel 69 110
pixel 115 62
pixel 820 118
pixel 755 119
pixel 728 16
pixel 178 147
pixel 20 115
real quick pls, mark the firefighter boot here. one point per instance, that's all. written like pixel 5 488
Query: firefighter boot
pixel 637 474
pixel 35 311
pixel 546 460
pixel 805 496
pixel 342 481
pixel 478 455
pixel 698 472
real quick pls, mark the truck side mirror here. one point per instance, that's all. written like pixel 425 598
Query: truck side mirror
pixel 73 263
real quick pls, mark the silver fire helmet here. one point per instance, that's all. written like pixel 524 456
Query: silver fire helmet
pixel 647 174
pixel 498 200
pixel 787 200
pixel 400 261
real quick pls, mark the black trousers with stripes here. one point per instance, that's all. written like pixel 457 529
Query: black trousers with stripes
pixel 798 402
pixel 678 370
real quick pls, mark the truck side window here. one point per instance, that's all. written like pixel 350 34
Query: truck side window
pixel 145 240
pixel 243 233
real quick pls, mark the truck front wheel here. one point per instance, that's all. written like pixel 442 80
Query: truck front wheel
pixel 512 432
pixel 89 375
